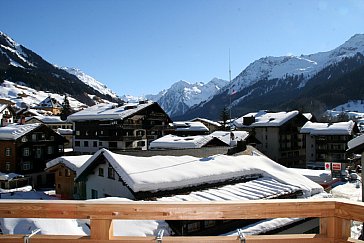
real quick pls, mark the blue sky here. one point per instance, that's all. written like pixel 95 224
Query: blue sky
pixel 141 47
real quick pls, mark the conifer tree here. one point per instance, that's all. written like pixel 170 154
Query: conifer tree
pixel 66 109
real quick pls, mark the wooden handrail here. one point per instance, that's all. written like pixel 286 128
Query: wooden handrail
pixel 335 217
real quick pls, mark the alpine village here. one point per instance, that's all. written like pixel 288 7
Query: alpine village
pixel 264 157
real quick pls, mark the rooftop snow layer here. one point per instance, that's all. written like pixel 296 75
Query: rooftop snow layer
pixel 176 142
pixel 339 128
pixel 108 111
pixel 15 131
pixel 264 119
pixel 172 172
pixel 71 162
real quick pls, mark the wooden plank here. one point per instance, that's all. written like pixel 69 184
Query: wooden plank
pixel 352 210
pixel 101 229
pixel 259 209
pixel 306 238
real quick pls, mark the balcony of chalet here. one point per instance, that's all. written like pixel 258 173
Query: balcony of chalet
pixel 335 216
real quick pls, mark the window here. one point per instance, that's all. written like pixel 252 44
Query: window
pixel 94 194
pixel 78 133
pixel 101 171
pixel 60 149
pixel 24 139
pixel 192 227
pixel 34 137
pixel 26 166
pixel 7 166
pixel 77 143
pixel 95 143
pixel 38 153
pixel 100 143
pixel 8 152
pixel 50 150
pixel 26 152
pixel 110 173
pixel 141 143
pixel 67 172
pixel 85 143
pixel 59 173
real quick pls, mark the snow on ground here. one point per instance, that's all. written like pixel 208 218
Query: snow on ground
pixel 20 95
pixel 351 191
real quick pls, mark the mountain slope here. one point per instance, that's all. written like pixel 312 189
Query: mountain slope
pixel 19 64
pixel 288 82
pixel 183 95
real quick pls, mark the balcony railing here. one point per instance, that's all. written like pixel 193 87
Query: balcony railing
pixel 335 218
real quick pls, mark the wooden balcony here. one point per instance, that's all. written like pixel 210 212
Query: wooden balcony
pixel 335 218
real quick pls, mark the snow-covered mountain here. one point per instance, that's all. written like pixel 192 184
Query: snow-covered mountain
pixel 286 81
pixel 90 81
pixel 23 96
pixel 304 66
pixel 19 64
pixel 182 95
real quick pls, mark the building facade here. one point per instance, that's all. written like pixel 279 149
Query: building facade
pixel 25 149
pixel 327 142
pixel 123 127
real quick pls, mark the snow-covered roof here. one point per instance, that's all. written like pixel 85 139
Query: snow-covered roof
pixel 274 119
pixel 64 131
pixel 2 107
pixel 176 142
pixel 318 176
pixel 108 111
pixel 172 172
pixel 50 102
pixel 71 162
pixel 225 136
pixel 207 121
pixel 267 119
pixel 262 188
pixel 15 131
pixel 46 119
pixel 339 128
pixel 190 126
pixel 9 176
pixel 356 142
pixel 309 116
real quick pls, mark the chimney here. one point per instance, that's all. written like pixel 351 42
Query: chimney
pixel 22 120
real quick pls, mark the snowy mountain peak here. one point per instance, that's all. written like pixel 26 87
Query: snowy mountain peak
pixel 182 95
pixel 90 81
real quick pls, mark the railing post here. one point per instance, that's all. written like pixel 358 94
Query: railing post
pixel 101 229
pixel 335 228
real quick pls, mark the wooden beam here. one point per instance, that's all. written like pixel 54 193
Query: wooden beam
pixel 256 209
pixel 299 238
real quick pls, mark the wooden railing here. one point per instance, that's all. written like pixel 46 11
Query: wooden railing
pixel 335 218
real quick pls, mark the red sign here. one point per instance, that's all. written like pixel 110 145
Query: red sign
pixel 327 166
pixel 336 166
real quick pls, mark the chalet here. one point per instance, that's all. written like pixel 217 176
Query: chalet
pixel 187 178
pixel 50 104
pixel 211 125
pixel 126 127
pixel 7 115
pixel 182 128
pixel 327 142
pixel 64 169
pixel 279 134
pixel 27 148
pixel 55 123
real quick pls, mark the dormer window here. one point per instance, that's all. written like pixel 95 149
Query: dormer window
pixel 24 139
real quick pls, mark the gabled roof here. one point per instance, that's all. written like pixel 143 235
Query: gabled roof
pixel 338 128
pixel 267 119
pixel 49 102
pixel 158 173
pixel 15 131
pixel 46 119
pixel 190 126
pixel 207 121
pixel 109 111
pixel 71 162
pixel 176 142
